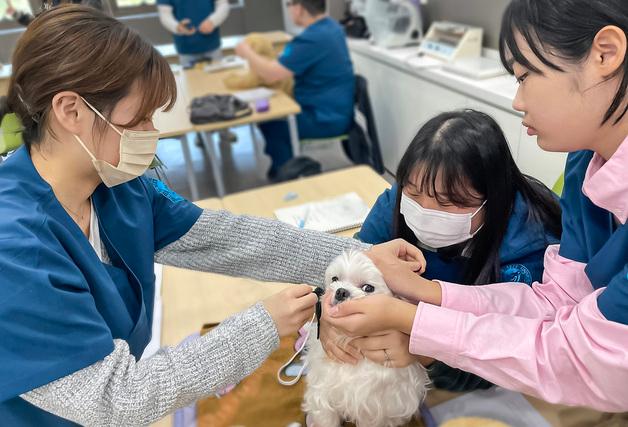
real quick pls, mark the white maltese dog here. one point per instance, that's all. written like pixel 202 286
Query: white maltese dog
pixel 367 394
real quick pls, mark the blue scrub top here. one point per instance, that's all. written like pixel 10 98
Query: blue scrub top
pixel 591 236
pixel 521 252
pixel 60 306
pixel 324 82
pixel 196 11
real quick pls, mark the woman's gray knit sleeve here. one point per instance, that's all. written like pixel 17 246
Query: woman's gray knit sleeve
pixel 259 248
pixel 118 391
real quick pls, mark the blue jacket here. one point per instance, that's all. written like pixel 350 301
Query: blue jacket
pixel 60 306
pixel 521 254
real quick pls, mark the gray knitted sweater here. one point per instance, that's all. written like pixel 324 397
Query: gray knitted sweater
pixel 122 391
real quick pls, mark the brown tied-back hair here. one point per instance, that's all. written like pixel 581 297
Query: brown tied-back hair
pixel 80 49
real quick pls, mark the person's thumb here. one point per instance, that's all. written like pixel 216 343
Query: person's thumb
pixel 343 309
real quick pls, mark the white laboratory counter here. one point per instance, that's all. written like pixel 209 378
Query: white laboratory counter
pixel 406 91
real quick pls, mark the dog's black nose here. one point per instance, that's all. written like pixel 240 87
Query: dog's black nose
pixel 342 294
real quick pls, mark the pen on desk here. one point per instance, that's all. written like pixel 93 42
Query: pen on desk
pixel 303 220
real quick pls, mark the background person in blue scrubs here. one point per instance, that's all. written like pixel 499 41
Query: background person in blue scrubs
pixel 195 26
pixel 324 82
pixel 80 230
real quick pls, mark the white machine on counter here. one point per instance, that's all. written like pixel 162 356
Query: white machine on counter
pixel 450 41
pixel 392 23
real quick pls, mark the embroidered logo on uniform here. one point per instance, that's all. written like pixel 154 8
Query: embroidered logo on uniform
pixel 163 189
pixel 516 273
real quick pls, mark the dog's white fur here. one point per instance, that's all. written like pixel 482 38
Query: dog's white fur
pixel 368 394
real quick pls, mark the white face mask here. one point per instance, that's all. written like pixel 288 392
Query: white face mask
pixel 437 229
pixel 137 152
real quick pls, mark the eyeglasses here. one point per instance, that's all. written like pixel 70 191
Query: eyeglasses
pixel 291 3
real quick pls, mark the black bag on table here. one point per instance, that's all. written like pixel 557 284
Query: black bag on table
pixel 217 108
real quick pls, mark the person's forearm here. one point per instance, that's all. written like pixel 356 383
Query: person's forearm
pixel 259 248
pixel 118 391
pixel 167 19
pixel 576 357
pixel 220 13
pixel 267 69
pixel 565 283
pixel 403 316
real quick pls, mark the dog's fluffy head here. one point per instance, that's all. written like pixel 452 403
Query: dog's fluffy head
pixel 353 275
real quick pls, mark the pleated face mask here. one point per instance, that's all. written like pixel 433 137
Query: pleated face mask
pixel 137 152
pixel 437 229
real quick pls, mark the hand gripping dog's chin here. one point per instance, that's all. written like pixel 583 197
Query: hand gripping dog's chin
pixel 368 394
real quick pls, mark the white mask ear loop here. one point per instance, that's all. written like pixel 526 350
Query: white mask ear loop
pixel 101 116
pixel 482 225
pixel 479 209
pixel 300 349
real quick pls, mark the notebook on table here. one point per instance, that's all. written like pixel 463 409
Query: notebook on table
pixel 330 215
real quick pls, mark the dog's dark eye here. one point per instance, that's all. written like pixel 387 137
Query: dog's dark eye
pixel 368 288
pixel 334 279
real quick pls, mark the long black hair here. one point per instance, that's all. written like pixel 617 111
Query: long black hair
pixel 567 28
pixel 463 155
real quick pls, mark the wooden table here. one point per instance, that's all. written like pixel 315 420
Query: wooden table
pixel 196 82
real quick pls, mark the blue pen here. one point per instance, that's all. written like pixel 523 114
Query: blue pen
pixel 304 219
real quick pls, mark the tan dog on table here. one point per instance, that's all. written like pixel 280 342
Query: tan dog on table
pixel 247 80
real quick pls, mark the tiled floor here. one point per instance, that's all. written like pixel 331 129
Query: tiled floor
pixel 242 170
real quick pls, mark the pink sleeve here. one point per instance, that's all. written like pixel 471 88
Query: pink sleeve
pixel 564 283
pixel 576 357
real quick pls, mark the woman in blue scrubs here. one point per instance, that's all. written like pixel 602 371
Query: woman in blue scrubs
pixel 80 229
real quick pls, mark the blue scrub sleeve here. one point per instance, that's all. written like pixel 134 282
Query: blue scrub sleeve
pixel 49 324
pixel 173 216
pixel 301 53
pixel 613 301
pixel 165 3
pixel 378 225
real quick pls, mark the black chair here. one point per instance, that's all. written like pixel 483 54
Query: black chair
pixel 362 144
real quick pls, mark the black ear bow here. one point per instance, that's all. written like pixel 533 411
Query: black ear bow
pixel 319 291
pixel 319 309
